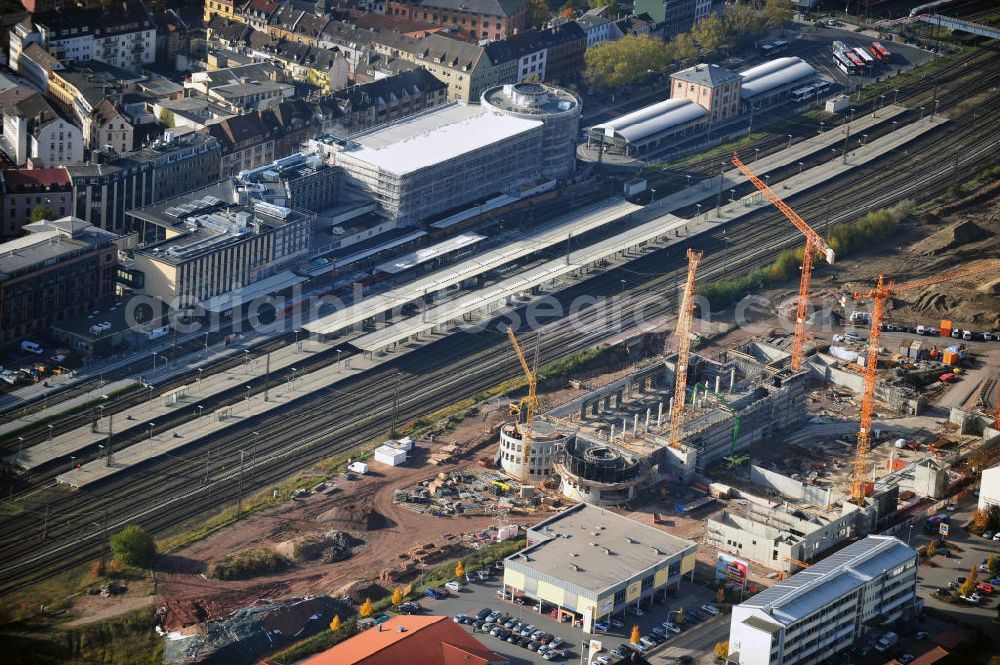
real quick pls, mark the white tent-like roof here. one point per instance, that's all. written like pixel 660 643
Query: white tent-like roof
pixel 775 74
pixel 653 119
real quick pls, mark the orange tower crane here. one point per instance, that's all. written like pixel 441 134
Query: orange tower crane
pixel 814 243
pixel 683 333
pixel 527 406
pixel 878 295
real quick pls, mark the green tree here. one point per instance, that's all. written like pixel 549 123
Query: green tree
pixel 709 32
pixel 778 12
pixel 682 48
pixel 132 545
pixel 539 12
pixel 40 212
pixel 614 65
pixel 741 24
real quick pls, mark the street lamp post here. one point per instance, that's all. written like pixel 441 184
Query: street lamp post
pixel 756 154
pixel 50 437
pixel 297 331
pixel 72 459
pixel 699 208
pixel 20 449
pixel 789 140
pixel 895 96
pixel 247 398
pixel 821 125
pixel 154 359
pixel 921 114
pixel 253 455
pixel 339 351
pixel 292 379
pixel 206 345
pixel 800 168
pixel 894 123
pixel 200 370
pixel 150 397
pixel 246 361
pixel 151 426
pixel 652 195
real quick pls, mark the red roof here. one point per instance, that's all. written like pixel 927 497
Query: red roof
pixel 35 179
pixel 424 640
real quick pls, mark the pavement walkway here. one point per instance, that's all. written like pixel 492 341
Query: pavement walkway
pixel 284 390
pixel 77 442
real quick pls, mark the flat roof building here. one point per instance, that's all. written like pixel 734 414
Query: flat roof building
pixel 823 610
pixel 63 267
pixel 213 246
pixel 590 563
pixel 441 159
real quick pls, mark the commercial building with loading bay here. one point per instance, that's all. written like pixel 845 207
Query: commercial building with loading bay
pixel 590 563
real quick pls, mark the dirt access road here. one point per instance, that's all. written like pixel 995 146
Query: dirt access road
pixel 363 507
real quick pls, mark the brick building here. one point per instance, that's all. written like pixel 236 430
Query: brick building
pixel 470 19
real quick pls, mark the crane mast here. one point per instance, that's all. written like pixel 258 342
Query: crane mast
pixel 814 243
pixel 527 405
pixel 879 295
pixel 683 333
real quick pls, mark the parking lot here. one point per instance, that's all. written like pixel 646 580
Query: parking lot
pixel 696 641
pixel 974 549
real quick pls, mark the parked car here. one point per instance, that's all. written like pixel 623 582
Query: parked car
pixel 533 645
pixel 950 507
pixel 672 627
pixel 459 618
pixel 435 594
pixel 600 625
pixel 995 580
pixel 920 635
pixel 648 641
pixel 620 651
pixel 527 630
pixel 984 587
pixel 906 658
pixel 453 586
pixel 988 535
pixel 635 611
pixel 660 630
pixel 617 623
pixel 711 609
pixel 971 598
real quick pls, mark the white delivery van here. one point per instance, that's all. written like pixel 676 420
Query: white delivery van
pixel 359 468
pixel 32 347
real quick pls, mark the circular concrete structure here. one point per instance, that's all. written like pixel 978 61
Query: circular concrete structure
pixel 556 108
pixel 599 473
pixel 547 445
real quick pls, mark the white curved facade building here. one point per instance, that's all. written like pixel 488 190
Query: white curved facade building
pixel 557 109
pixel 547 446
pixel 775 78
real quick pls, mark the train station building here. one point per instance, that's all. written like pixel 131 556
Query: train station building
pixel 588 563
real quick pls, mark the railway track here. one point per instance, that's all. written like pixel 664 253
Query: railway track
pixel 170 492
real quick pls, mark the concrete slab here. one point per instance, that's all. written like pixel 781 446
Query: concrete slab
pixel 83 442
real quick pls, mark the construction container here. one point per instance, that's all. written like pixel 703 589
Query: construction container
pixel 916 350
pixel 945 328
pixel 390 455
pixel 949 357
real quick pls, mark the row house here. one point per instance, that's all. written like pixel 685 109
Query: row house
pixel 34 133
pixel 362 107
pixel 472 20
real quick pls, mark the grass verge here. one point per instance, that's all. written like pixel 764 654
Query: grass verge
pixel 871 229
pixel 129 639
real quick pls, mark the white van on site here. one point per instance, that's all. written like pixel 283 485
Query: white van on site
pixel 921 330
pixel 32 347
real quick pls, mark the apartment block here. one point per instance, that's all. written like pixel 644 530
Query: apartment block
pixel 820 612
